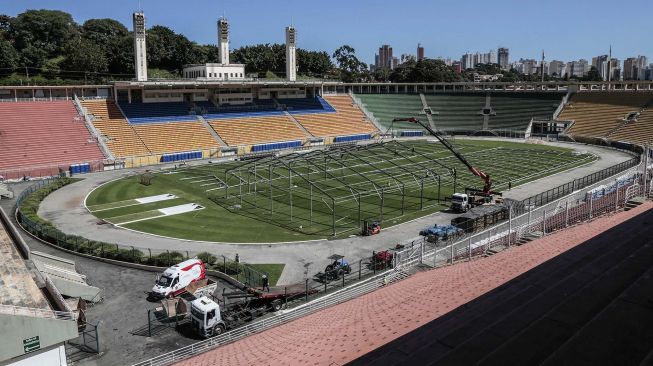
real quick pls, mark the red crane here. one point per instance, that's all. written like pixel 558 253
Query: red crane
pixel 487 187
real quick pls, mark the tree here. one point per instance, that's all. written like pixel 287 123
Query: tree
pixel 120 55
pixel 103 31
pixel 313 63
pixel 351 68
pixel 47 31
pixel 9 57
pixel 5 26
pixel 84 55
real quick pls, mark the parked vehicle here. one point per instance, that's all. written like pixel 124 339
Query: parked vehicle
pixel 175 280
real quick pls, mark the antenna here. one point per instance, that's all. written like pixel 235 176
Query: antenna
pixel 140 9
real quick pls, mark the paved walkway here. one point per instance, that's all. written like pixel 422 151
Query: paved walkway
pixel 64 208
pixel 344 332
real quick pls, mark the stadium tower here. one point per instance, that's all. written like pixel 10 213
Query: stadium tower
pixel 291 53
pixel 223 40
pixel 140 57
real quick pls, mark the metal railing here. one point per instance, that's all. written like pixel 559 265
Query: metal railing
pixel 38 313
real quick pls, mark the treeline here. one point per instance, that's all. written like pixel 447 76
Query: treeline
pixel 48 46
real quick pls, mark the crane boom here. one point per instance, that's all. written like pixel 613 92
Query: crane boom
pixel 487 187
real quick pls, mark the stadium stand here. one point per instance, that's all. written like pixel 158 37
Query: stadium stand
pixel 157 112
pixel 590 305
pixel 173 137
pixel 386 107
pixel 515 110
pixel 34 134
pixel 639 131
pixel 599 114
pixel 119 134
pixel 256 130
pixel 348 119
pixel 306 105
pixel 457 113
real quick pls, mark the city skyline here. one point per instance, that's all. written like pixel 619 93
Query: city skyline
pixel 364 25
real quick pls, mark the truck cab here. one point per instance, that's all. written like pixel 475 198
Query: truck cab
pixel 460 202
pixel 205 317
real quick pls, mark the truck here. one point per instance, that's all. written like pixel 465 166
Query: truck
pixel 208 318
pixel 176 279
pixel 462 202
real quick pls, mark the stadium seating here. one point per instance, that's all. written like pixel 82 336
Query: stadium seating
pixel 121 138
pixel 515 110
pixel 44 134
pixel 256 130
pixel 599 114
pixel 638 132
pixel 173 137
pixel 306 105
pixel 385 107
pixel 157 112
pixel 348 119
pixel 457 112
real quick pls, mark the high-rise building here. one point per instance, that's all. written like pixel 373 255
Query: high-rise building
pixel 557 69
pixel 223 41
pixel 467 61
pixel 385 57
pixel 420 52
pixel 578 68
pixel 503 58
pixel 140 56
pixel 630 68
pixel 291 53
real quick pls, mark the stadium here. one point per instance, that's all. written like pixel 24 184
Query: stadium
pixel 326 217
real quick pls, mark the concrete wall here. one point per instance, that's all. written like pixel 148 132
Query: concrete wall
pixel 53 356
pixel 50 331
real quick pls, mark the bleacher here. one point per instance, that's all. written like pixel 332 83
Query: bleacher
pixel 386 107
pixel 347 120
pixel 638 132
pixel 157 112
pixel 121 138
pixel 457 112
pixel 598 114
pixel 38 134
pixel 174 137
pixel 515 110
pixel 257 130
pixel 306 105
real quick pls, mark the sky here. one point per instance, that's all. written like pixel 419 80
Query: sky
pixel 564 29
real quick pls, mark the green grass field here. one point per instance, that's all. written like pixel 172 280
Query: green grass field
pixel 311 196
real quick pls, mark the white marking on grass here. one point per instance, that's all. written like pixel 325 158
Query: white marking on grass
pixel 199 176
pixel 209 184
pixel 202 180
pixel 168 211
pixel 157 198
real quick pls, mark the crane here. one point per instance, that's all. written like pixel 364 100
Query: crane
pixel 487 187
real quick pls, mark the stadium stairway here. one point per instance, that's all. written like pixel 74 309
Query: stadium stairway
pixel 590 305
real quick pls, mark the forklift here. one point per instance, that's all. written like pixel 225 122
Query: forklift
pixel 371 228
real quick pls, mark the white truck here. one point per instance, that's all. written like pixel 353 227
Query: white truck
pixel 461 202
pixel 208 319
pixel 176 279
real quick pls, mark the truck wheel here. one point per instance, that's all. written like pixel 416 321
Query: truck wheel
pixel 277 305
pixel 218 329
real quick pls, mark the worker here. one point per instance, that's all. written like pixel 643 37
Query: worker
pixel 266 283
pixel 509 185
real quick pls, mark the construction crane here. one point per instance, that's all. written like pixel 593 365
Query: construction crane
pixel 487 187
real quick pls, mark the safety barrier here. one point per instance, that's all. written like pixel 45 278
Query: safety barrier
pixel 37 313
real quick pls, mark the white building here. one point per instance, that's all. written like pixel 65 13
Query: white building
pixel 291 53
pixel 223 71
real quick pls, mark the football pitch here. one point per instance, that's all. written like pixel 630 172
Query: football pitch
pixel 319 194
